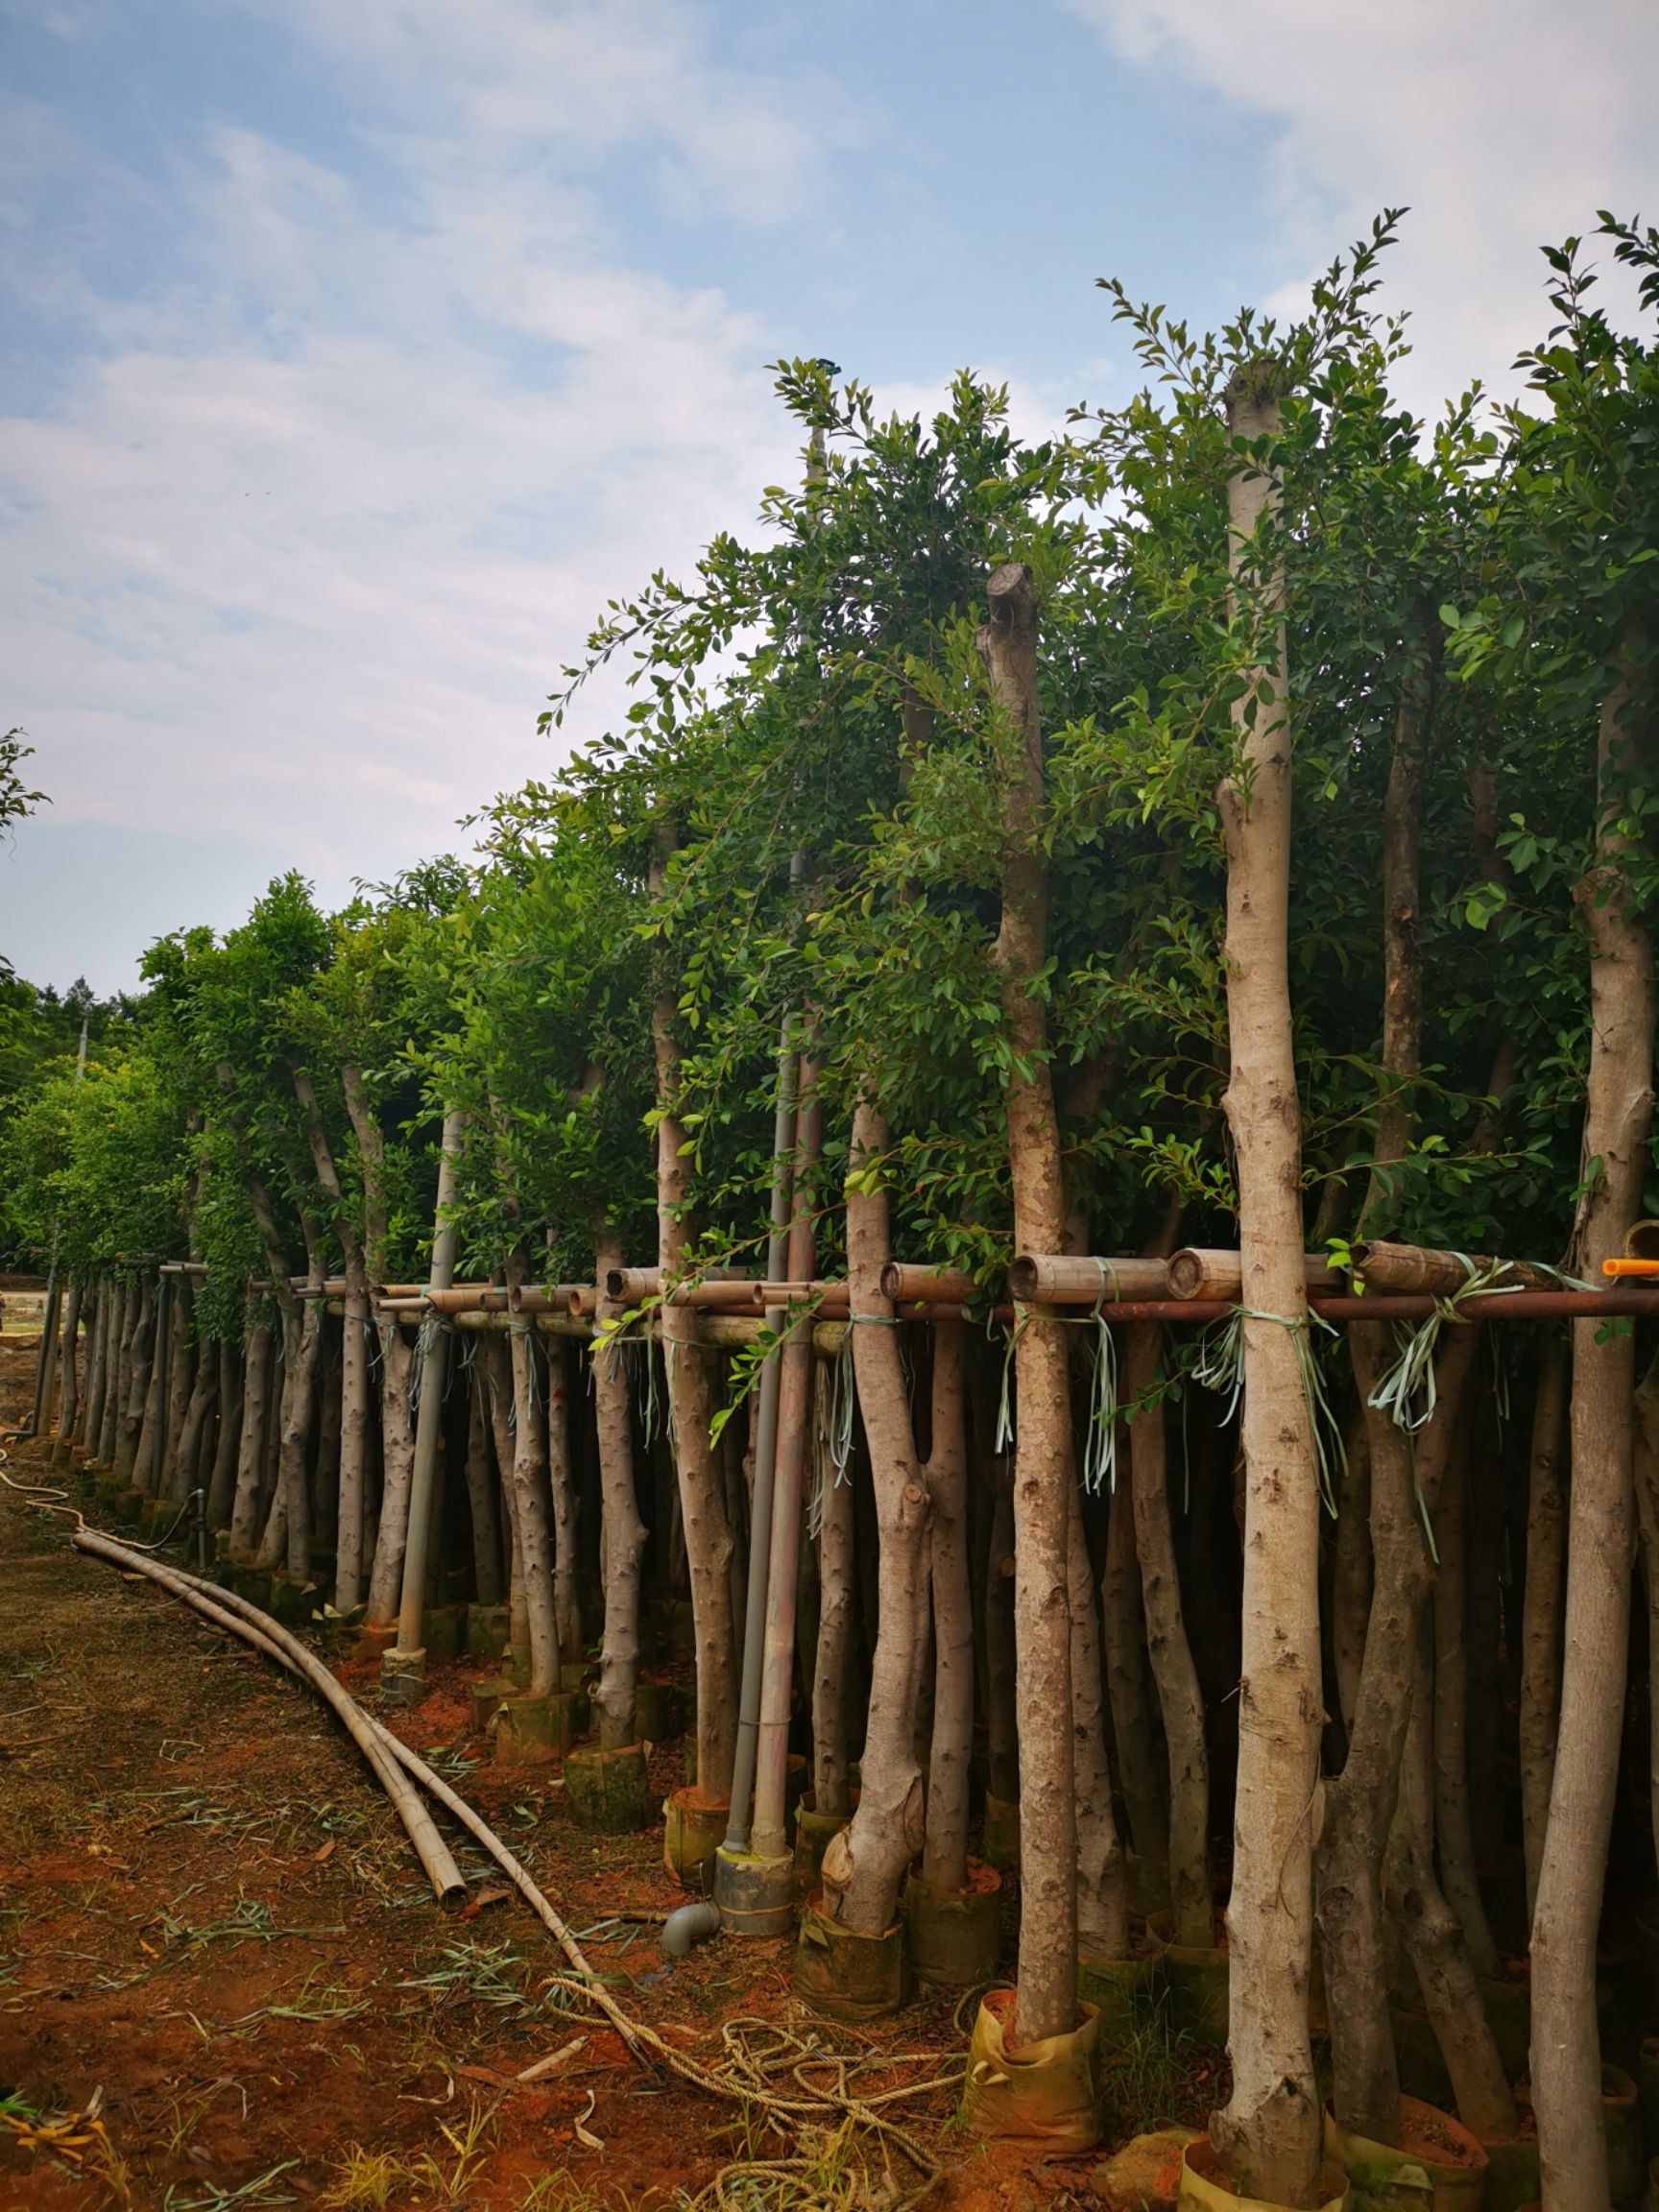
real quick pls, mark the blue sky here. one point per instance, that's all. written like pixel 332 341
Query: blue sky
pixel 355 351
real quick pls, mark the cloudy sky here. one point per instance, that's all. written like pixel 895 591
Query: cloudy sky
pixel 355 351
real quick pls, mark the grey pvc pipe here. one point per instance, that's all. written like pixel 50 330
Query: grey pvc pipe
pixel 765 1450
pixel 689 1924
pixel 429 1416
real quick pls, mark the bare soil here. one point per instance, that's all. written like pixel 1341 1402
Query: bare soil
pixel 212 1929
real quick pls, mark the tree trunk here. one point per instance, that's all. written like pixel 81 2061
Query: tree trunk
pixel 481 1498
pixel 198 1414
pixel 1618 1115
pixel 1001 1721
pixel 91 1407
pixel 832 1690
pixel 139 1359
pixel 865 1863
pixel 1269 2132
pixel 1647 1484
pixel 624 1531
pixel 222 1483
pixel 499 1380
pixel 182 1364
pixel 1454 1837
pixel 1432 1933
pixel 1047 2002
pixel 708 1531
pixel 251 1446
pixel 945 1847
pixel 1180 1698
pixel 531 1499
pixel 1102 1870
pixel 354 1439
pixel 123 1327
pixel 1128 1683
pixel 562 1490
pixel 397 1471
pixel 69 1366
pixel 1351 1570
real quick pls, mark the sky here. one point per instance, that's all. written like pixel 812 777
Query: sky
pixel 353 356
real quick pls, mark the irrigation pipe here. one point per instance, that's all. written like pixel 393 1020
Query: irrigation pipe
pixel 739 2080
pixel 433 1853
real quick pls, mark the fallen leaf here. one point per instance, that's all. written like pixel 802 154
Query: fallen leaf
pixel 584 2136
pixel 318 1858
pixel 555 2061
pixel 487 2076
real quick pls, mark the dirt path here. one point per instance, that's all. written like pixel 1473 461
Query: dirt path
pixel 211 1922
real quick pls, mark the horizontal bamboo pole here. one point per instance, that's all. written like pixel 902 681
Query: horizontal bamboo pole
pixel 1386 1305
pixel 1198 1272
pixel 1056 1279
pixel 928 1285
pixel 1407 1268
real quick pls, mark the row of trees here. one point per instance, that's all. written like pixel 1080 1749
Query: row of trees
pixel 1227 824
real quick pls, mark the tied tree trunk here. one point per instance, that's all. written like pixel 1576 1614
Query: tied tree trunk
pixel 865 1862
pixel 1453 1833
pixel 198 1415
pixel 1179 1694
pixel 623 1530
pixel 182 1364
pixel 122 1326
pixel 97 1369
pixel 708 1529
pixel 1047 1986
pixel 397 1359
pixel 353 1357
pixel 1618 1116
pixel 221 1482
pixel 499 1380
pixel 1128 1684
pixel 945 1847
pixel 1269 2132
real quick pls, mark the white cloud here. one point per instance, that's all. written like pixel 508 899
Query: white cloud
pixel 1503 124
pixel 302 540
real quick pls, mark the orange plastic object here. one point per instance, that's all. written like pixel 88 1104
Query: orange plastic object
pixel 1627 1267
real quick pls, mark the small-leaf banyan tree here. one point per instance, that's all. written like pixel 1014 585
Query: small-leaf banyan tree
pixel 1231 820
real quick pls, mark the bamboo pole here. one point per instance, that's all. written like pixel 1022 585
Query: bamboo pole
pixel 1408 1267
pixel 1053 1279
pixel 1195 1272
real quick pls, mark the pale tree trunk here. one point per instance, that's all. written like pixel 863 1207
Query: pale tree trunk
pixel 1128 1683
pixel 624 1531
pixel 1618 1116
pixel 353 1356
pixel 865 1863
pixel 181 1362
pixel 945 1848
pixel 707 1530
pixel 251 1447
pixel 1453 1833
pixel 1269 2132
pixel 1046 2000
pixel 396 1475
pixel 1179 1694
pixel 222 1483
